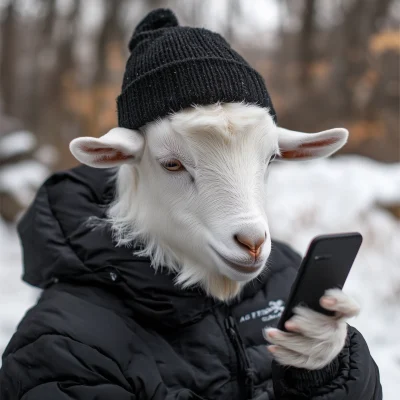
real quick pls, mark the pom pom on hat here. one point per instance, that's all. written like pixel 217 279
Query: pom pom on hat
pixel 156 19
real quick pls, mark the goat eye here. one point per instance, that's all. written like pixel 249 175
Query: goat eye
pixel 173 165
pixel 272 159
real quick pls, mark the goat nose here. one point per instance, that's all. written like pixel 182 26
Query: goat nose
pixel 252 243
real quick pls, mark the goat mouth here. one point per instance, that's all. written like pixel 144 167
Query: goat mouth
pixel 249 269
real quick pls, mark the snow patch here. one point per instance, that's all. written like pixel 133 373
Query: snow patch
pixel 15 296
pixel 16 143
pixel 22 179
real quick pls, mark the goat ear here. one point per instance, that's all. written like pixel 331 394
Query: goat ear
pixel 306 146
pixel 117 147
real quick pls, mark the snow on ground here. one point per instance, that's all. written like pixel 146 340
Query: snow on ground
pixel 15 143
pixel 22 179
pixel 15 297
pixel 305 199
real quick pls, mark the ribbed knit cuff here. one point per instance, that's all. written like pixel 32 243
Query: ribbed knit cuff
pixel 302 380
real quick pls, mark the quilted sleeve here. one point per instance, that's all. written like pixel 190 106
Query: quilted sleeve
pixel 354 375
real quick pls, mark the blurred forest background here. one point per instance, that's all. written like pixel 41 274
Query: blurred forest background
pixel 327 63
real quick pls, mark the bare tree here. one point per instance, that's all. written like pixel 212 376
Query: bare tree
pixel 306 48
pixel 361 21
pixel 51 123
pixel 36 89
pixel 7 61
pixel 111 30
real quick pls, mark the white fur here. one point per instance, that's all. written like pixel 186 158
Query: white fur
pixel 100 153
pixel 183 218
pixel 317 339
pixel 300 143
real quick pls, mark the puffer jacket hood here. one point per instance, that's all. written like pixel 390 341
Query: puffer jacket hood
pixel 107 326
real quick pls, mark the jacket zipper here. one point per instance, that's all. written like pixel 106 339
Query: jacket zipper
pixel 245 371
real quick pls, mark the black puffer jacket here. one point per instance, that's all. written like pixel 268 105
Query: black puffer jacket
pixel 108 327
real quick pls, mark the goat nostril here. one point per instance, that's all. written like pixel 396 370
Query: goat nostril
pixel 252 245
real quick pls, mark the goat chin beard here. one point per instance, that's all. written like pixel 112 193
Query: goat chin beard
pixel 223 288
pixel 213 283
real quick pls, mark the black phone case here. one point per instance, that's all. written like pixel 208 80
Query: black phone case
pixel 325 266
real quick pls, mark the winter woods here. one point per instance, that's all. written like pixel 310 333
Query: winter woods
pixel 326 63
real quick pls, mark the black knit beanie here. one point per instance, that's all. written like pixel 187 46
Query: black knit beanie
pixel 172 67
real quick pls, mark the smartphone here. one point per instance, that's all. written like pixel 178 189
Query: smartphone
pixel 326 265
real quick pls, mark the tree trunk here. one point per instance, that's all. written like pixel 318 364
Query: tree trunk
pixel 38 88
pixel 7 61
pixel 306 47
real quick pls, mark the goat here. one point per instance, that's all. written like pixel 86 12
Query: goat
pixel 191 189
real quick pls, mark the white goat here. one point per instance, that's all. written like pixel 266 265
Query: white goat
pixel 191 189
